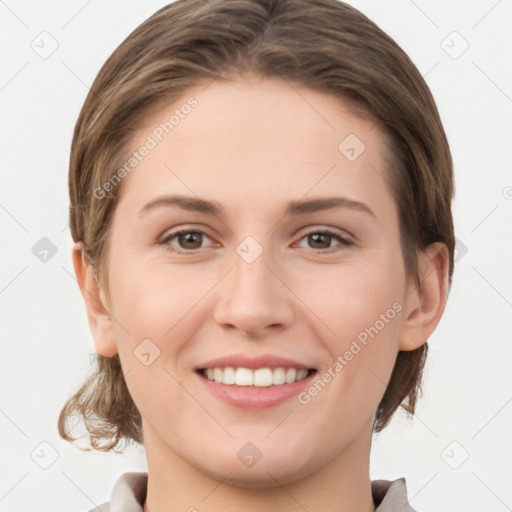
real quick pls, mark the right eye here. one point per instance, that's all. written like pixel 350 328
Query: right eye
pixel 187 240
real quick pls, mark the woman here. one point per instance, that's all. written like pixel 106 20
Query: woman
pixel 261 210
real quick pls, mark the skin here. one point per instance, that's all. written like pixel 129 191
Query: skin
pixel 254 145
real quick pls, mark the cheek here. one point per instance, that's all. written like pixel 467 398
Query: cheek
pixel 160 309
pixel 354 297
pixel 362 308
pixel 153 299
pixel 157 308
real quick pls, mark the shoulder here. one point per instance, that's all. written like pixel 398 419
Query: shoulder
pixel 128 494
pixel 391 495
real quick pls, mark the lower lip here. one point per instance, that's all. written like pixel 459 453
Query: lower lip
pixel 254 397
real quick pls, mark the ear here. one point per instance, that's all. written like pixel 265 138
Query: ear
pixel 424 304
pixel 100 321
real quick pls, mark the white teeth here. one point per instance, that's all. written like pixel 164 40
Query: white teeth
pixel 229 375
pixel 278 376
pixel 262 377
pixel 301 374
pixel 217 374
pixel 243 377
pixel 291 373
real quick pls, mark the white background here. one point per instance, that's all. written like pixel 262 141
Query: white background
pixel 44 333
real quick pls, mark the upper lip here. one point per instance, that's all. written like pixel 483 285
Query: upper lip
pixel 262 361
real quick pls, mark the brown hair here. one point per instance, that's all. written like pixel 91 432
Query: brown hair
pixel 325 45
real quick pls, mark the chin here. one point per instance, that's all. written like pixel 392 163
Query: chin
pixel 247 467
pixel 261 476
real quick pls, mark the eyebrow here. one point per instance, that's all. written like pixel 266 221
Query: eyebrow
pixel 299 207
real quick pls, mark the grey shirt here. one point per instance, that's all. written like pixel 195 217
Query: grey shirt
pixel 129 493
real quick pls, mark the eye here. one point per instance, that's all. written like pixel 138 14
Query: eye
pixel 186 241
pixel 321 240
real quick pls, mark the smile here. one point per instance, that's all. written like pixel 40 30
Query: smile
pixel 255 388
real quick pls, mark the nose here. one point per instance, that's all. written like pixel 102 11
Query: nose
pixel 254 298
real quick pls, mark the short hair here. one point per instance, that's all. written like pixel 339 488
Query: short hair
pixel 325 45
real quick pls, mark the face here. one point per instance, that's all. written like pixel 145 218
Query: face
pixel 254 242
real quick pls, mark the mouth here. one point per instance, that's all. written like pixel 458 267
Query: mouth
pixel 265 377
pixel 255 388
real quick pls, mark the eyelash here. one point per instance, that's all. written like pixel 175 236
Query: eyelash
pixel 345 242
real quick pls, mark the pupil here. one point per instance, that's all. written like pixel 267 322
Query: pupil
pixel 189 237
pixel 318 236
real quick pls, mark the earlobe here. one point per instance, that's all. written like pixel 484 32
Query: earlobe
pixel 425 303
pixel 100 321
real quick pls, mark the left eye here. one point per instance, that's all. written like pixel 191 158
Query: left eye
pixel 322 239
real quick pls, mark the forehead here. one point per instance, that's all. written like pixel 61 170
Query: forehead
pixel 260 141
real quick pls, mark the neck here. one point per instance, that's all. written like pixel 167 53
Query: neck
pixel 341 485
